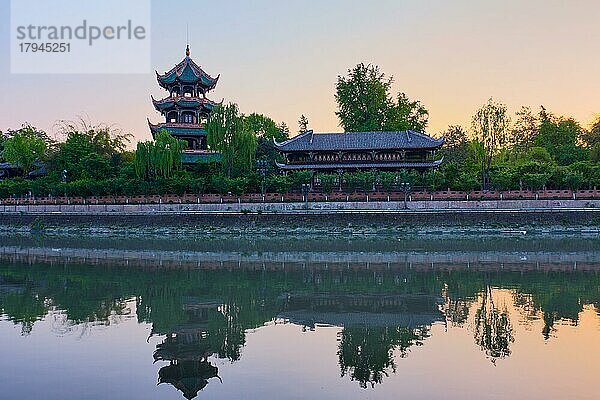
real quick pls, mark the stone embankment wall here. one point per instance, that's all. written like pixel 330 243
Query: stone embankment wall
pixel 308 207
pixel 312 217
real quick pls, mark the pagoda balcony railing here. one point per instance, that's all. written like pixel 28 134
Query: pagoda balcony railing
pixel 366 157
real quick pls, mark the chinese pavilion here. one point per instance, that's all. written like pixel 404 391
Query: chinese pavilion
pixel 187 107
pixel 352 151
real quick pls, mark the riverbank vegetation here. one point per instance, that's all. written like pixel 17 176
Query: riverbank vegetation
pixel 531 148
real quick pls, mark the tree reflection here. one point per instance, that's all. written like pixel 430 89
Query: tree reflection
pixel 366 353
pixel 23 307
pixel 493 329
pixel 205 314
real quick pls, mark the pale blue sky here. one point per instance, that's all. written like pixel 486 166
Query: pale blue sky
pixel 282 59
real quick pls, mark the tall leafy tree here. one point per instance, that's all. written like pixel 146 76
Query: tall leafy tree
pixel 365 103
pixel 229 134
pixel 263 126
pixel 456 144
pixel 363 99
pixel 592 137
pixel 407 114
pixel 560 137
pixel 525 130
pixel 159 158
pixel 266 130
pixel 88 150
pixel 491 126
pixel 24 148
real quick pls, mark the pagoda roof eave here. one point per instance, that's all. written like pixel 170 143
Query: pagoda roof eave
pixel 184 103
pixel 187 72
pixel 178 129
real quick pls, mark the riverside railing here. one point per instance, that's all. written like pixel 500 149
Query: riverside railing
pixel 311 197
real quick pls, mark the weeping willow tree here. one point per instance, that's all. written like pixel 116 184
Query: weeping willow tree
pixel 158 158
pixel 228 134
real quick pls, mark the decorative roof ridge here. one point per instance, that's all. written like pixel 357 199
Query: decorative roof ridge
pixel 426 136
pixel 292 139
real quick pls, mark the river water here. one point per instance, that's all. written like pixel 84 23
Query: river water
pixel 433 317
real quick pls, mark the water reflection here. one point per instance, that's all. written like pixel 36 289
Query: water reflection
pixel 203 313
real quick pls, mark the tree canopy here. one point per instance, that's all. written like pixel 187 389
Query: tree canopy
pixel 365 103
pixel 88 150
pixel 491 126
pixel 24 148
pixel 229 134
pixel 158 158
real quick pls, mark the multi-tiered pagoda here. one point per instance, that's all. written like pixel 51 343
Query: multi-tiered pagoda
pixel 187 107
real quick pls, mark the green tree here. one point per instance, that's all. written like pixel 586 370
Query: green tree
pixel 595 153
pixel 365 103
pixel 490 125
pixel 266 130
pixel 363 99
pixel 456 144
pixel 327 182
pixel 159 158
pixel 263 126
pixel 24 148
pixel 300 178
pixel 525 130
pixel 538 154
pixel 407 114
pixel 592 137
pixel 85 144
pixel 560 136
pixel 229 134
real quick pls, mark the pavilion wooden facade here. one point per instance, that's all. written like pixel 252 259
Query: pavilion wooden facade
pixel 351 151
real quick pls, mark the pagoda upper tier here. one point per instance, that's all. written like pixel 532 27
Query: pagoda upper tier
pixel 182 103
pixel 187 77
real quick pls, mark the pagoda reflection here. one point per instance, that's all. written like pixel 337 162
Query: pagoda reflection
pixel 187 350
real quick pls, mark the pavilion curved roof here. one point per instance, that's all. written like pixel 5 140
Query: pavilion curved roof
pixel 177 128
pixel 187 72
pixel 183 102
pixel 310 141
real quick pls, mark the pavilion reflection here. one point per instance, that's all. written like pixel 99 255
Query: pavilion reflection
pixel 375 327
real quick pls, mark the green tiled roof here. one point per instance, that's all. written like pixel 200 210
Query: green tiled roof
pixel 179 129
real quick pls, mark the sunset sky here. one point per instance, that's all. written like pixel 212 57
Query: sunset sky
pixel 281 58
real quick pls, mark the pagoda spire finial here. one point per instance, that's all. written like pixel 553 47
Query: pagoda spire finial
pixel 187 50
